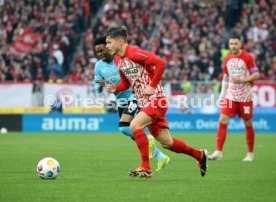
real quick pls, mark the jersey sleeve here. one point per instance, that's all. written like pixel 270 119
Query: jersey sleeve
pixel 150 59
pixel 225 70
pixel 97 78
pixel 251 66
pixel 123 84
pixel 116 60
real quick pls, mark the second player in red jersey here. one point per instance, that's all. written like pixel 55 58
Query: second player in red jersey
pixel 143 71
pixel 236 96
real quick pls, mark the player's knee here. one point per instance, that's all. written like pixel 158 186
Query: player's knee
pixel 223 120
pixel 167 144
pixel 247 123
pixel 134 126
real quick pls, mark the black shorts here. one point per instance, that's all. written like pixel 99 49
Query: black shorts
pixel 131 108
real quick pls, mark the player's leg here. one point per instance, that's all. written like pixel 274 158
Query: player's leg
pixel 137 125
pixel 246 113
pixel 124 124
pixel 180 146
pixel 228 109
pixel 162 159
pixel 221 137
pixel 124 127
pixel 250 137
pixel 127 114
pixel 157 108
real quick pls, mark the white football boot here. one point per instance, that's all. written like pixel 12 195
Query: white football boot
pixel 249 156
pixel 217 155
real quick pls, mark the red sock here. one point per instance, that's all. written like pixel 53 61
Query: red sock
pixel 181 147
pixel 250 135
pixel 143 146
pixel 221 136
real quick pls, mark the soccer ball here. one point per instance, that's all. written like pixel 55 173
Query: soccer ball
pixel 48 168
pixel 4 130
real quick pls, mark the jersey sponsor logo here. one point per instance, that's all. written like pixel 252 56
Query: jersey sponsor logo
pixel 236 67
pixel 131 72
pixel 113 79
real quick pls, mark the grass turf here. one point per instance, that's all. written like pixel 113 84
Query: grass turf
pixel 94 168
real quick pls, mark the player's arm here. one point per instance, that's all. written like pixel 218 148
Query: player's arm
pixel 254 75
pixel 224 86
pixel 100 83
pixel 160 66
pixel 225 80
pixel 121 86
pixel 150 59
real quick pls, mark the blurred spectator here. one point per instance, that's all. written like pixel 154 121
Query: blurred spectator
pixel 56 24
pixel 188 34
pixel 191 35
pixel 53 69
pixel 57 53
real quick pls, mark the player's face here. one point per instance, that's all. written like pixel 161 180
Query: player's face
pixel 235 46
pixel 103 53
pixel 113 45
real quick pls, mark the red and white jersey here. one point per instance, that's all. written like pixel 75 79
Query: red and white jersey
pixel 239 67
pixel 136 66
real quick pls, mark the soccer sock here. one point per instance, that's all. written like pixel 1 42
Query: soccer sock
pixel 158 154
pixel 125 129
pixel 250 135
pixel 142 142
pixel 181 147
pixel 221 136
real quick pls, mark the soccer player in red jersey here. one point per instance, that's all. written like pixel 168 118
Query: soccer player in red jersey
pixel 236 96
pixel 143 71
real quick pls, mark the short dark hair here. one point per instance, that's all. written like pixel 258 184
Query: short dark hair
pixel 99 41
pixel 117 31
pixel 235 36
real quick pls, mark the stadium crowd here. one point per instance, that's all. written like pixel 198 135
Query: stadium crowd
pixel 191 35
pixel 52 30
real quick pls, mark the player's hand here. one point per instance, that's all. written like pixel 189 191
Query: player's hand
pixel 149 91
pixel 111 88
pixel 236 80
pixel 102 82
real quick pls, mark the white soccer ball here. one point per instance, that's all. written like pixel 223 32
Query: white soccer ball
pixel 4 130
pixel 48 168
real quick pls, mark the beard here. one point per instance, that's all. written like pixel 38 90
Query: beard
pixel 235 51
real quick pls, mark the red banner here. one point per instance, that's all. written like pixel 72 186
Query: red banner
pixel 264 94
pixel 25 42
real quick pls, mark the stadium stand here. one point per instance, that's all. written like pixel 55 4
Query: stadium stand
pixel 190 35
pixel 38 38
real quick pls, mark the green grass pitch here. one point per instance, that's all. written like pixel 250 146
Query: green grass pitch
pixel 94 168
